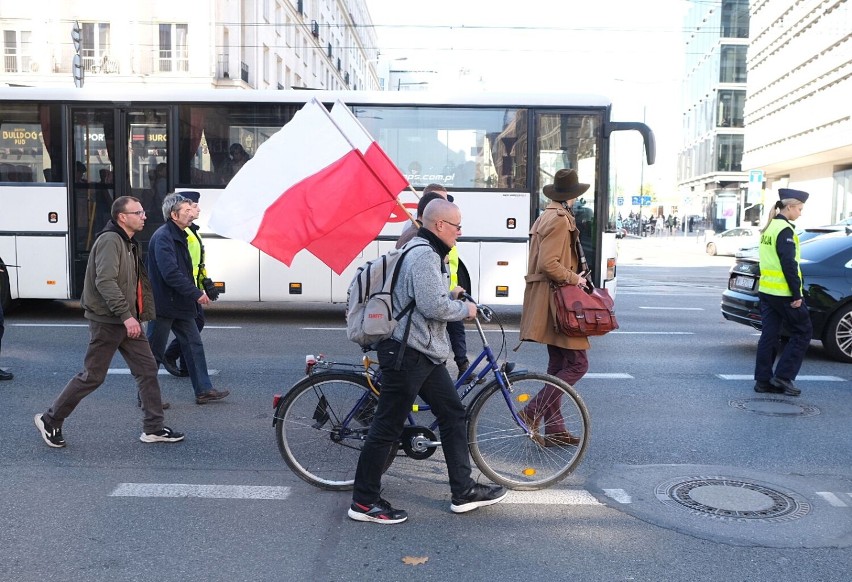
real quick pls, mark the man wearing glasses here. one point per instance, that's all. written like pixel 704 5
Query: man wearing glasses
pixel 419 367
pixel 177 297
pixel 116 298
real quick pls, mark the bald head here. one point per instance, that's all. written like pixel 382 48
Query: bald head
pixel 443 218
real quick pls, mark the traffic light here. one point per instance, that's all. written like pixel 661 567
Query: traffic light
pixel 77 60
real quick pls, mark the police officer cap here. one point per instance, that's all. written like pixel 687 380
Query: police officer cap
pixel 195 196
pixel 786 193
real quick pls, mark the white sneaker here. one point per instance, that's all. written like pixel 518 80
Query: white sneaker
pixel 165 435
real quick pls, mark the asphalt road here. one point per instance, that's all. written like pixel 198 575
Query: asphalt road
pixel 690 475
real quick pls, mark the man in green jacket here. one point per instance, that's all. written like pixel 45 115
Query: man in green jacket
pixel 116 298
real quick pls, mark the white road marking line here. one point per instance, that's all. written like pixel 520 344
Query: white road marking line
pixel 467 330
pixel 832 498
pixel 206 491
pixel 48 324
pixel 223 327
pixel 674 308
pixel 608 376
pixel 619 495
pixel 803 378
pixel 653 332
pixel 126 372
pixel 552 497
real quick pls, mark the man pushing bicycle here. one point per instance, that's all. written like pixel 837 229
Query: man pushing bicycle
pixel 418 367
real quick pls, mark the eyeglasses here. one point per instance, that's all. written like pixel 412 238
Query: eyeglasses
pixel 458 226
pixel 136 212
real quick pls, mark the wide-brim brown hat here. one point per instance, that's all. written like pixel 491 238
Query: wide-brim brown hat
pixel 566 186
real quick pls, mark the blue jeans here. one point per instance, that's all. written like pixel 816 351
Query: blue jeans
pixel 775 311
pixel 189 339
pixel 417 375
pixel 174 352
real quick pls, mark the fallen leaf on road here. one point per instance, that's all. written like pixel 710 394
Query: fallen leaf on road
pixel 414 561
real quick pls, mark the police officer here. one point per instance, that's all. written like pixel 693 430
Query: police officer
pixel 781 303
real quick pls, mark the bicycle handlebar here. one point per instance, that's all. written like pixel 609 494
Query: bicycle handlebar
pixel 483 310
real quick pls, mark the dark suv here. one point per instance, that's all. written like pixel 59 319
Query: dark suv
pixel 827 271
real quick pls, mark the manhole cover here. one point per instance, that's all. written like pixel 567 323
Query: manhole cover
pixel 727 498
pixel 774 407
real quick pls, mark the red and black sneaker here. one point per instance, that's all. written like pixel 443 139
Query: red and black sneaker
pixel 379 512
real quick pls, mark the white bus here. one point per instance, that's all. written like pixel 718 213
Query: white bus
pixel 65 155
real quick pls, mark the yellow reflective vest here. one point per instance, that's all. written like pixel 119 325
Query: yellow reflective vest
pixel 453 260
pixel 196 254
pixel 772 280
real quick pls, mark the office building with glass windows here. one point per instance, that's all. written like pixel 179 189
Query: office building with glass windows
pixel 798 110
pixel 710 174
pixel 251 44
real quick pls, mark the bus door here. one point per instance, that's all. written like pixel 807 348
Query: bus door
pixel 115 152
pixel 571 140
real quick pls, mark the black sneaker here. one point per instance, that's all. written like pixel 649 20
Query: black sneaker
pixel 165 435
pixel 4 375
pixel 52 436
pixel 379 512
pixel 766 387
pixel 785 386
pixel 478 496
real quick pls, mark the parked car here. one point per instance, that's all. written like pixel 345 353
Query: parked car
pixel 805 234
pixel 827 271
pixel 731 240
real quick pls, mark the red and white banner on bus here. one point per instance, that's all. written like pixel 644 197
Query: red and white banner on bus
pixel 320 183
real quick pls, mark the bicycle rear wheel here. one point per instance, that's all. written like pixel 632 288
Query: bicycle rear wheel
pixel 515 458
pixel 321 425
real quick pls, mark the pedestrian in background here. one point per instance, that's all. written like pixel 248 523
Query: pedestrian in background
pixel 176 296
pixel 116 298
pixel 780 291
pixel 554 258
pixel 4 374
pixel 173 360
pixel 419 368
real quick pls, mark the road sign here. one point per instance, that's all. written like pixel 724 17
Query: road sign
pixel 620 201
pixel 646 200
pixel 755 186
pixel 634 200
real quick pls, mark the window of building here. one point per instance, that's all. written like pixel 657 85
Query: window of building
pixel 842 204
pixel 266 64
pixel 730 104
pixel 732 68
pixel 735 18
pixel 266 11
pixel 279 11
pixel 174 52
pixel 95 45
pixel 16 51
pixel 729 153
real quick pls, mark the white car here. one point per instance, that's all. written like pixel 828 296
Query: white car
pixel 732 240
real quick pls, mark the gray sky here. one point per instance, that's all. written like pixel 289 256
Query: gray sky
pixel 628 50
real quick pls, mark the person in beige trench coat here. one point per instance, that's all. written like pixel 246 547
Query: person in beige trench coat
pixel 553 258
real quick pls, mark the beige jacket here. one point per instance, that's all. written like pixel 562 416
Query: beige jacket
pixel 552 258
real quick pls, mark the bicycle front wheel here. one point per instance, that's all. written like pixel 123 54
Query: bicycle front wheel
pixel 322 424
pixel 527 460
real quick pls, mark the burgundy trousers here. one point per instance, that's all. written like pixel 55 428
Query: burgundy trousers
pixel 565 364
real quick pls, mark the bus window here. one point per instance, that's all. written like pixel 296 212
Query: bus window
pixel 453 146
pixel 30 143
pixel 215 141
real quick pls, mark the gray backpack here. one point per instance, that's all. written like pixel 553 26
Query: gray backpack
pixel 370 314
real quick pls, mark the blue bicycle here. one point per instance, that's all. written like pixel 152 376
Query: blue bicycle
pixel 525 430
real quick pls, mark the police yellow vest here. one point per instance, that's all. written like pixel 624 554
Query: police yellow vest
pixel 772 281
pixel 193 241
pixel 453 260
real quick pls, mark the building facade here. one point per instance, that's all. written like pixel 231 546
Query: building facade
pixel 710 175
pixel 243 44
pixel 798 110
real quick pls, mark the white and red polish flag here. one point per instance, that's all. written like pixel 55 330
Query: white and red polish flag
pixel 306 181
pixel 365 225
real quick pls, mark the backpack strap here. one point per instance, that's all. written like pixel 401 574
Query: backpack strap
pixel 407 311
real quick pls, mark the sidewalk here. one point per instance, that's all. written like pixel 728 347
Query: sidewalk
pixel 669 251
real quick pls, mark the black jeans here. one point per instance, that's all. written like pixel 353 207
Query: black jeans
pixel 417 375
pixel 455 329
pixel 775 311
